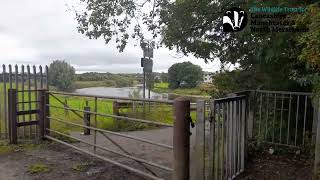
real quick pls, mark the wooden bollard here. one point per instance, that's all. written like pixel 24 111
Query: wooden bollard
pixel 181 139
pixel 86 119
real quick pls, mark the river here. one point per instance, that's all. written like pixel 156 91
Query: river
pixel 135 92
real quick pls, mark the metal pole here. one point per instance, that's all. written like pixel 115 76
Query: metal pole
pixel 149 86
pixel 181 139
pixel 144 85
pixel 317 145
pixel 95 123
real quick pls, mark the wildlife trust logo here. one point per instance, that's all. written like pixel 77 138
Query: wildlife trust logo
pixel 234 19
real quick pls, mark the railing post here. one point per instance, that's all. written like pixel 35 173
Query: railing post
pixel 198 154
pixel 12 104
pixel 317 145
pixel 86 119
pixel 250 104
pixel 181 139
pixel 43 98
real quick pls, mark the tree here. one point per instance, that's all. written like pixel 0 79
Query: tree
pixel 61 75
pixel 195 27
pixel 164 77
pixel 184 74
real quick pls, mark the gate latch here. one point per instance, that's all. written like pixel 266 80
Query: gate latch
pixel 191 123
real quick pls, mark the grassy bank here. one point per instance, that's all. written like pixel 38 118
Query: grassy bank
pixel 164 88
pixel 87 84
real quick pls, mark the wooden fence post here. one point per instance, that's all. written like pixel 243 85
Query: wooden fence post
pixel 86 119
pixel 12 104
pixel 198 154
pixel 181 139
pixel 44 123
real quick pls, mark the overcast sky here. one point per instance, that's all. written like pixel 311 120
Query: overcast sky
pixel 40 31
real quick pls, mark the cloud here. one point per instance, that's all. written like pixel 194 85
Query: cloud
pixel 40 31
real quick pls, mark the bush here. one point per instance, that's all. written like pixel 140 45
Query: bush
pixel 61 75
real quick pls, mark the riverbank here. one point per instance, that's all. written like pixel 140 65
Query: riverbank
pixel 87 84
pixel 164 88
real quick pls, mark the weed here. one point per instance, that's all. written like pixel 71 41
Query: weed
pixel 38 168
pixel 81 167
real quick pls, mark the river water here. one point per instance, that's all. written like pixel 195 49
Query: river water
pixel 135 92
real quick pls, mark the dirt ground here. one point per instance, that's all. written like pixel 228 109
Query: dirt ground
pixel 278 167
pixel 63 164
pixel 63 161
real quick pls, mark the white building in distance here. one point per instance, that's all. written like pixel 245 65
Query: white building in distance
pixel 207 77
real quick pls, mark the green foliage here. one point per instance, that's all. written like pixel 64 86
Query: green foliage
pixel 82 167
pixel 61 75
pixel 195 27
pixel 7 148
pixel 86 84
pixel 163 88
pixel 164 77
pixel 38 168
pixel 184 74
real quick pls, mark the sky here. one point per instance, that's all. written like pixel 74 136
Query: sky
pixel 40 31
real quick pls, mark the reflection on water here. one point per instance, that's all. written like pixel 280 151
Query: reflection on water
pixel 135 92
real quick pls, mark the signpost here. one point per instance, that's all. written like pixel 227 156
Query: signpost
pixel 147 63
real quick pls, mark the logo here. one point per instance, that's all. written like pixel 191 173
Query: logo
pixel 234 19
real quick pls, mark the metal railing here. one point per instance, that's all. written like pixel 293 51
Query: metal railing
pixel 284 118
pixel 26 80
pixel 181 116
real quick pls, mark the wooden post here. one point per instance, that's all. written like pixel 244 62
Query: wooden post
pixel 181 139
pixel 42 113
pixel 86 119
pixel 198 155
pixel 115 108
pixel 12 104
pixel 47 112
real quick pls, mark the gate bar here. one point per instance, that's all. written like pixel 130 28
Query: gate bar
pixel 113 133
pixel 115 152
pixel 114 116
pixel 113 97
pixel 105 159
